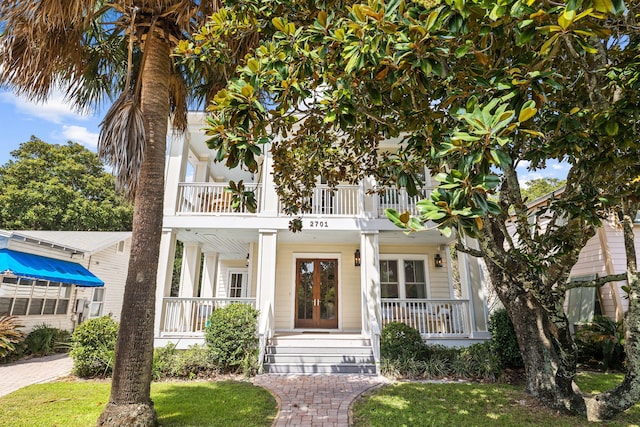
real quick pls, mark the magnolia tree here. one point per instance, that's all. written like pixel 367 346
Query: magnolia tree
pixel 471 89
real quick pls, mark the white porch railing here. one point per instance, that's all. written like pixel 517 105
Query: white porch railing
pixel 210 197
pixel 190 315
pixel 432 318
pixel 399 199
pixel 342 200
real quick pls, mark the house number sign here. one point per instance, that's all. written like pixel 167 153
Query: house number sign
pixel 318 224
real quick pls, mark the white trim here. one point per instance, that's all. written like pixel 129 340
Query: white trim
pixel 315 255
pixel 401 279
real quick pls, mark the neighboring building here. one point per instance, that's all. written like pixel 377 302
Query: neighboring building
pixel 334 284
pixel 61 278
pixel 603 255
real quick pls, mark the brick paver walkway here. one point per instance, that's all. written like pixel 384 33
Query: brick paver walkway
pixel 33 371
pixel 316 400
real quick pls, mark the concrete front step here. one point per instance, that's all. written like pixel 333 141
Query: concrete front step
pixel 319 353
pixel 312 359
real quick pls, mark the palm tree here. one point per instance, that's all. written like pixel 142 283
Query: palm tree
pixel 96 50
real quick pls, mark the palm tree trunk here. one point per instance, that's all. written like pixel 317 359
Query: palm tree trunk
pixel 130 402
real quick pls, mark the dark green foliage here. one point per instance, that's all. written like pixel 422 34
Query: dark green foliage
pixel 504 343
pixel 399 341
pixel 194 362
pixel 59 187
pixel 477 361
pixel 10 337
pixel 601 343
pixel 232 338
pixel 473 362
pixel 44 340
pixel 93 346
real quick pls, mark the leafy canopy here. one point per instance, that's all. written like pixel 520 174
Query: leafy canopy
pixel 59 187
pixel 468 88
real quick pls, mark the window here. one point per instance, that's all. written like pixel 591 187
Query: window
pixel 409 281
pixel 582 303
pixel 97 302
pixel 121 247
pixel 389 279
pixel 28 297
pixel 237 284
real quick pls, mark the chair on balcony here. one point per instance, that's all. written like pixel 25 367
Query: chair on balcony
pixel 214 203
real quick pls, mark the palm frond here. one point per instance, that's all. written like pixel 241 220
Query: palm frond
pixel 122 142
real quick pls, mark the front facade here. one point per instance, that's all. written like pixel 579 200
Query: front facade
pixel 62 278
pixel 349 271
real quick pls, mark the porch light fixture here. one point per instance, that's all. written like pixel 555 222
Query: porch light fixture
pixel 437 260
pixel 356 258
pixel 247 263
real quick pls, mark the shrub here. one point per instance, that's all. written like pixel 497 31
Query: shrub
pixel 10 336
pixel 400 341
pixel 503 340
pixel 477 361
pixel 232 339
pixel 44 340
pixel 93 347
pixel 194 362
pixel 602 342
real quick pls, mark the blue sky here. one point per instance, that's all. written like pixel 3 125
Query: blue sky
pixel 56 122
pixel 53 121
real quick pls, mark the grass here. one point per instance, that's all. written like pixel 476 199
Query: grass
pixel 79 403
pixel 457 404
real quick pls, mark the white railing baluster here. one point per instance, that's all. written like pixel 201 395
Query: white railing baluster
pixel 432 318
pixel 190 315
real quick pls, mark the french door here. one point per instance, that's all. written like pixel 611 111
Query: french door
pixel 316 293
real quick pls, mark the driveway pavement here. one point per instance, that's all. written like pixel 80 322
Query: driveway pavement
pixel 33 371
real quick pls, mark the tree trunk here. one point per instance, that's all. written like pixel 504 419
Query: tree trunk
pixel 606 405
pixel 130 402
pixel 549 365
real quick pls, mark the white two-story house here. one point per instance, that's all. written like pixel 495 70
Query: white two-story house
pixel 334 284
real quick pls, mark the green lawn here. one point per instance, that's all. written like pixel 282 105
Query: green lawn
pixel 79 403
pixel 466 404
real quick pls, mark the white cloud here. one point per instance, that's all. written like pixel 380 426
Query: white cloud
pixel 523 164
pixel 80 134
pixel 560 166
pixel 54 109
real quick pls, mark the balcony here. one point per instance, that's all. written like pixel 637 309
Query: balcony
pixel 432 318
pixel 342 200
pixel 206 198
pixel 399 199
pixel 211 198
pixel 189 316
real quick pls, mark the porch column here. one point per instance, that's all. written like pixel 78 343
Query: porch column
pixel 208 274
pixel 269 198
pixel 266 283
pixel 176 170
pixel 472 288
pixel 370 280
pixel 201 173
pixel 165 272
pixel 190 270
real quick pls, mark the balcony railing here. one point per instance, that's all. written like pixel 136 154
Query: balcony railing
pixel 432 318
pixel 399 199
pixel 342 200
pixel 189 316
pixel 210 198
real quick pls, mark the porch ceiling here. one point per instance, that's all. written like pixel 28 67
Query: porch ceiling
pixel 235 244
pixel 229 244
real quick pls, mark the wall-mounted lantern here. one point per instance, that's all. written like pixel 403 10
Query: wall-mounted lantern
pixel 437 260
pixel 356 258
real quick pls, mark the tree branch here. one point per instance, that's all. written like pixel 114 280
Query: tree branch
pixel 597 283
pixel 461 247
